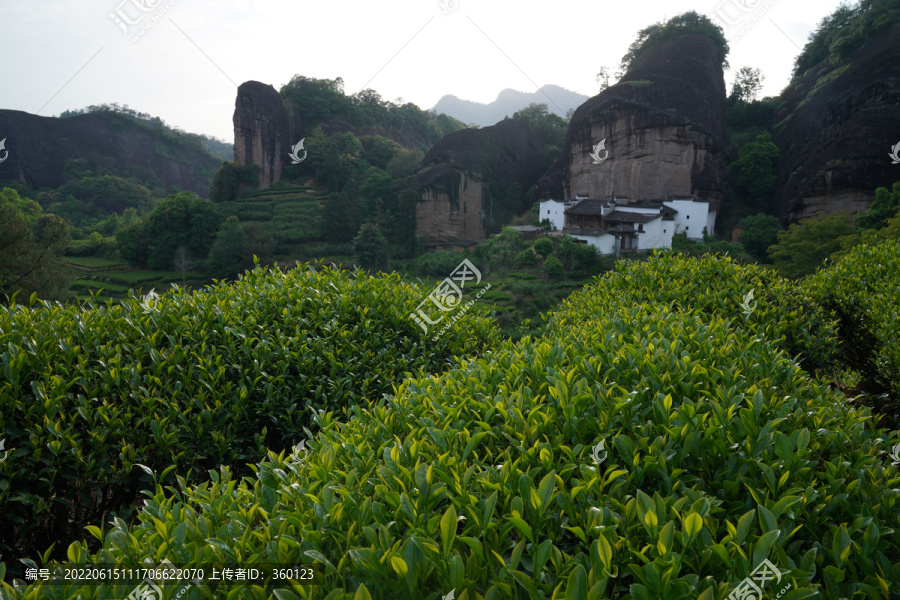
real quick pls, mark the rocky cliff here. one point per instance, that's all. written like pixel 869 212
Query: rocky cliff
pixel 40 146
pixel 261 129
pixel 663 124
pixel 835 129
pixel 475 180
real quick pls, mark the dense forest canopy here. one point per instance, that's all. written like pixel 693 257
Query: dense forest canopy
pixel 844 31
pixel 211 144
pixel 312 101
pixel 654 35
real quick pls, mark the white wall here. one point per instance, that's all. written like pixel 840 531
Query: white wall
pixel 605 244
pixel 638 209
pixel 691 218
pixel 711 222
pixel 653 235
pixel 555 211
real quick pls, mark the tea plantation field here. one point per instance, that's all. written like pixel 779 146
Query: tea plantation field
pixel 664 435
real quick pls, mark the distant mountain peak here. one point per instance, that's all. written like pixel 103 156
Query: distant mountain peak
pixel 558 100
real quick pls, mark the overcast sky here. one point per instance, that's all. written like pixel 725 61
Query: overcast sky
pixel 185 65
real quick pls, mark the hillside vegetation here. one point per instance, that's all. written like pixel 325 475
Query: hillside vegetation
pixel 186 382
pixel 656 441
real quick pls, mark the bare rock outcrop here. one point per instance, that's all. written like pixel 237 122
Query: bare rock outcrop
pixel 663 126
pixel 474 181
pixel 835 129
pixel 261 129
pixel 40 147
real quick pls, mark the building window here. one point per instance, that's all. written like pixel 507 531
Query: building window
pixel 548 211
pixel 664 230
pixel 641 228
pixel 688 216
pixel 686 228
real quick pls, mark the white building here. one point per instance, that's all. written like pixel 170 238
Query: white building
pixel 618 226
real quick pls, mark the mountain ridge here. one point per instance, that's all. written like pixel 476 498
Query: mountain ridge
pixel 507 102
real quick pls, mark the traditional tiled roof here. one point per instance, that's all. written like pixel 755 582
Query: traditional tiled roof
pixel 618 216
pixel 587 207
pixel 585 231
pixel 622 229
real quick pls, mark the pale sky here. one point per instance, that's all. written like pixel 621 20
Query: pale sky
pixel 68 54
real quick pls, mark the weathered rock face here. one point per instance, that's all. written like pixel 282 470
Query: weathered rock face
pixel 475 180
pixel 451 210
pixel 663 124
pixel 835 141
pixel 261 130
pixel 40 146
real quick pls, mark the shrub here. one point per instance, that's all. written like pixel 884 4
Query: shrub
pixel 862 291
pixel 191 381
pixel 715 284
pixel 491 480
pixel 526 257
pixel 543 246
pixel 553 266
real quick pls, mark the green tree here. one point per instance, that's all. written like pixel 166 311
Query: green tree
pixel 132 243
pixel 180 220
pixel 883 208
pixel 30 256
pixel 687 23
pixel 341 216
pixel 584 257
pixel 753 174
pixel 227 181
pixel 747 85
pixel 257 242
pixel 553 266
pixel 376 186
pixel 543 246
pixel 501 249
pixel 378 151
pixel 227 251
pixel 759 233
pixel 526 257
pixel 806 245
pixel 550 128
pixel 370 248
pixel 403 164
pixel 30 210
pixel 400 220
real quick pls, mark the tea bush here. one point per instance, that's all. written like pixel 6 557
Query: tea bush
pixel 644 448
pixel 716 285
pixel 188 382
pixel 863 290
